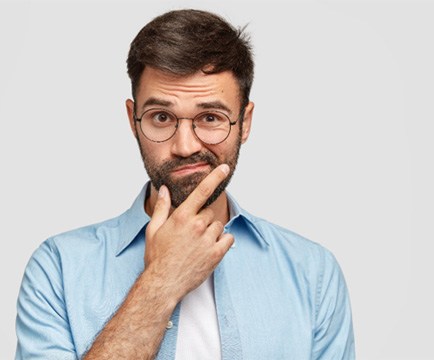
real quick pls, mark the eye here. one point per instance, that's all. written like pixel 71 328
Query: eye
pixel 159 118
pixel 211 120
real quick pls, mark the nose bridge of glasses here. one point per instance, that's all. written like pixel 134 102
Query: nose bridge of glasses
pixel 185 140
pixel 193 126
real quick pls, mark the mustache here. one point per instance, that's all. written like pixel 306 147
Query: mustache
pixel 205 157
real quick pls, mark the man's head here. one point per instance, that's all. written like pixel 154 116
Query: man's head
pixel 184 42
pixel 182 64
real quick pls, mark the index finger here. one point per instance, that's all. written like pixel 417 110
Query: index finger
pixel 205 189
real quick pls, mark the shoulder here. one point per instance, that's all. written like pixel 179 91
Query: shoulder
pixel 80 240
pixel 291 244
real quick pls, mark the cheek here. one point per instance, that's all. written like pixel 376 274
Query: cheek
pixel 217 150
pixel 224 152
pixel 154 151
pixel 229 146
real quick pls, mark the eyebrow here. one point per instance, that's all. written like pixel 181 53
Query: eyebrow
pixel 156 101
pixel 152 101
pixel 214 105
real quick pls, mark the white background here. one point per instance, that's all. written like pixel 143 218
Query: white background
pixel 341 149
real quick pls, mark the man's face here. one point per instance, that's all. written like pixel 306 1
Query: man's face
pixel 183 161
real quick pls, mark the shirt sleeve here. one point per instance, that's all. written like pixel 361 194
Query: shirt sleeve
pixel 42 324
pixel 333 335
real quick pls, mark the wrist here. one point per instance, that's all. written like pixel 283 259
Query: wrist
pixel 160 287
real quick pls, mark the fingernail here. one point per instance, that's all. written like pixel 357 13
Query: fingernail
pixel 162 192
pixel 225 169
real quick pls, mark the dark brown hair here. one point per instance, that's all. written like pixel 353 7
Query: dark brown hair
pixel 183 42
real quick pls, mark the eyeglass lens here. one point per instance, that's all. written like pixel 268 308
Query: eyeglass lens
pixel 211 127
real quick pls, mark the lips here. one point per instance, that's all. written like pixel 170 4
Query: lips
pixel 190 168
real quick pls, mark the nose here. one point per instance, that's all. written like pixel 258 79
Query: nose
pixel 185 143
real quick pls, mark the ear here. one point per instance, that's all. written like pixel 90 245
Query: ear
pixel 247 122
pixel 130 111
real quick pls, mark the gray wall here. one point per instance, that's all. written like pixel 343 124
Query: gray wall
pixel 341 148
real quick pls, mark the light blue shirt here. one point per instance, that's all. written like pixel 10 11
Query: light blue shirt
pixel 278 295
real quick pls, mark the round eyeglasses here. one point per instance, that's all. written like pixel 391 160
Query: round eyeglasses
pixel 210 127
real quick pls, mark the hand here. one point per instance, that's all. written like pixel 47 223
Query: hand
pixel 184 248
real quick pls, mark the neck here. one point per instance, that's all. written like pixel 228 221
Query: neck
pixel 220 206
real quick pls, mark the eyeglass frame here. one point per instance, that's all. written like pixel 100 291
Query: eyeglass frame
pixel 231 123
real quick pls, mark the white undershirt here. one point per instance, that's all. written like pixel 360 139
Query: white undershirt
pixel 198 333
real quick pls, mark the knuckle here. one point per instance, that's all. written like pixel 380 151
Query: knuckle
pixel 158 206
pixel 200 225
pixel 205 190
pixel 208 214
pixel 179 217
pixel 221 175
pixel 218 225
pixel 218 254
pixel 230 237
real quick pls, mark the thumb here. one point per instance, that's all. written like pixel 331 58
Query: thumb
pixel 161 211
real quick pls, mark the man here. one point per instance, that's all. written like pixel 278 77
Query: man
pixel 185 273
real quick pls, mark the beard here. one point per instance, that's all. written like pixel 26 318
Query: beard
pixel 181 188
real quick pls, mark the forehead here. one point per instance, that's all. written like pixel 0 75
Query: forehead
pixel 190 90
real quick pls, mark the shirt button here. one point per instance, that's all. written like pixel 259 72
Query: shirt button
pixel 169 325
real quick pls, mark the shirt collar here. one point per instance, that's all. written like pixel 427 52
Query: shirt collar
pixel 237 214
pixel 135 219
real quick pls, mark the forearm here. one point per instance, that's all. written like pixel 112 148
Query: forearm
pixel 137 328
pixel 181 251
